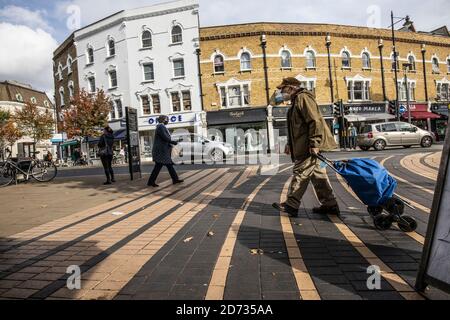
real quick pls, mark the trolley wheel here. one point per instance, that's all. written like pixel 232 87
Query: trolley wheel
pixel 407 224
pixel 382 222
pixel 375 211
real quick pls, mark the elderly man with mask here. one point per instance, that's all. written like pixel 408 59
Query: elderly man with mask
pixel 308 135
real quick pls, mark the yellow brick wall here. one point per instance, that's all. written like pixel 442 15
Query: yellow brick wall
pixel 354 41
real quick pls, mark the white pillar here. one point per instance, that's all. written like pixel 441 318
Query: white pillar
pixel 270 131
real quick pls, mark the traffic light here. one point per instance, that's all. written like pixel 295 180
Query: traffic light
pixel 346 110
pixel 337 112
pixel 392 109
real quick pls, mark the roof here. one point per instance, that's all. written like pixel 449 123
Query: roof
pixel 12 90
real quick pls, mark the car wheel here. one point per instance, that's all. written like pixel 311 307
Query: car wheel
pixel 216 155
pixel 426 142
pixel 406 147
pixel 364 148
pixel 379 145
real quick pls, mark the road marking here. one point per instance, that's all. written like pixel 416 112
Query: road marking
pixel 414 235
pixel 412 163
pixel 305 284
pixel 216 288
pixel 248 173
pixel 434 160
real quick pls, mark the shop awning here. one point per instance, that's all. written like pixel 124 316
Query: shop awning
pixel 69 143
pixel 421 115
pixel 369 117
pixel 120 134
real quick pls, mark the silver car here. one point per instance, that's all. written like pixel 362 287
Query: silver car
pixel 387 134
pixel 193 145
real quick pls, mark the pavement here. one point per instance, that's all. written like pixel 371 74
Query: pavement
pixel 215 237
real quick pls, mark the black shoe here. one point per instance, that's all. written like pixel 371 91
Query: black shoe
pixel 333 210
pixel 178 181
pixel 154 185
pixel 113 180
pixel 292 212
pixel 107 183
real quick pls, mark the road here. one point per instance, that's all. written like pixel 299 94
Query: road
pixel 214 237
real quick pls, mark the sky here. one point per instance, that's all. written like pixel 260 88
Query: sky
pixel 30 30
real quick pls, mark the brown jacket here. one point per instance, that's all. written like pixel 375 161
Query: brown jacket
pixel 306 127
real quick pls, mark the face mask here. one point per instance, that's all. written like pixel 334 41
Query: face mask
pixel 281 97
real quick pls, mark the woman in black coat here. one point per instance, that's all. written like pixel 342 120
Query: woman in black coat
pixel 105 150
pixel 162 152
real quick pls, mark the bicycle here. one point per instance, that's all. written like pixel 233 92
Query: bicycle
pixel 41 171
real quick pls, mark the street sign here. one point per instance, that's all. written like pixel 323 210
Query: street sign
pixel 402 109
pixel 435 265
pixel 134 154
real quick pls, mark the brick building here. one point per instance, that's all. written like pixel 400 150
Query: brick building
pixel 234 75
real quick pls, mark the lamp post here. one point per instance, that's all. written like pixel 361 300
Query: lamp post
pixel 380 47
pixel 424 50
pixel 406 67
pixel 266 77
pixel 328 44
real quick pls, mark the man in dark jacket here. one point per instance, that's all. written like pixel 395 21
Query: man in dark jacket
pixel 105 150
pixel 162 152
pixel 308 134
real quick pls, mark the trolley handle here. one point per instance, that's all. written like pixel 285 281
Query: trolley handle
pixel 327 161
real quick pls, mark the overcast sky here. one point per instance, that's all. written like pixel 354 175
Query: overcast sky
pixel 31 29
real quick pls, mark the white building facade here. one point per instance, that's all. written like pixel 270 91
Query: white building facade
pixel 146 58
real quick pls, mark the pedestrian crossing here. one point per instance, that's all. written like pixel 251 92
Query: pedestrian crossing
pixel 238 237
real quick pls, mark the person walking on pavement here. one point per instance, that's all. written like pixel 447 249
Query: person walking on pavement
pixel 105 151
pixel 352 134
pixel 308 135
pixel 162 153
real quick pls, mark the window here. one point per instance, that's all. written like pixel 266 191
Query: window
pixel 111 48
pixel 187 105
pixel 156 104
pixel 33 100
pixel 346 60
pixel 443 91
pixel 178 68
pixel 402 90
pixel 146 39
pixel 71 90
pixel 91 82
pixel 388 127
pixel 309 85
pixel 90 56
pixel 176 103
pixel 60 72
pixel 435 65
pixel 394 63
pixel 113 79
pixel 358 90
pixel 219 66
pixel 412 62
pixel 149 73
pixel 61 96
pixel 177 35
pixel 246 62
pixel 119 108
pixel 46 104
pixel 310 60
pixel 112 113
pixel 69 66
pixel 235 96
pixel 366 61
pixel 286 62
pixel 19 97
pixel 145 105
pixel 448 65
pixel 404 127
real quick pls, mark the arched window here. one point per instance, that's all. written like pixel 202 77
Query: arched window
pixel 19 97
pixel 412 63
pixel 69 65
pixel 33 100
pixel 346 60
pixel 435 64
pixel 448 65
pixel 146 39
pixel 177 34
pixel 310 59
pixel 111 48
pixel 61 96
pixel 366 60
pixel 394 63
pixel 71 90
pixel 60 72
pixel 286 62
pixel 219 65
pixel 246 61
pixel 90 55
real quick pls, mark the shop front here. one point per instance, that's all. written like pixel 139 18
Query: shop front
pixel 420 115
pixel 367 113
pixel 191 122
pixel 244 128
pixel 439 125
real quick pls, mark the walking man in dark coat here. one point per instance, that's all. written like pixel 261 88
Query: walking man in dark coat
pixel 162 152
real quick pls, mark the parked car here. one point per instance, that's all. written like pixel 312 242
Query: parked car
pixel 388 134
pixel 193 145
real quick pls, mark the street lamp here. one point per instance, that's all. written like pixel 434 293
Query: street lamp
pixel 424 50
pixel 406 67
pixel 380 47
pixel 328 44
pixel 266 77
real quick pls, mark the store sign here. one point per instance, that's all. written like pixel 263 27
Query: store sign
pixel 415 107
pixel 236 116
pixel 440 107
pixel 173 119
pixel 326 110
pixel 367 108
pixel 279 112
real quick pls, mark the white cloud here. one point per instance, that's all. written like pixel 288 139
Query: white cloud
pixel 23 16
pixel 26 55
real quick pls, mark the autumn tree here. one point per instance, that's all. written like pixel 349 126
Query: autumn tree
pixel 87 114
pixel 34 122
pixel 9 133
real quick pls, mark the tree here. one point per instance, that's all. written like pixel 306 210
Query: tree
pixel 10 133
pixel 87 114
pixel 34 122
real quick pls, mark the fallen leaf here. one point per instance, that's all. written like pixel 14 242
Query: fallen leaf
pixel 274 274
pixel 216 216
pixel 188 239
pixel 257 252
pixel 44 206
pixel 210 234
pixel 117 213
